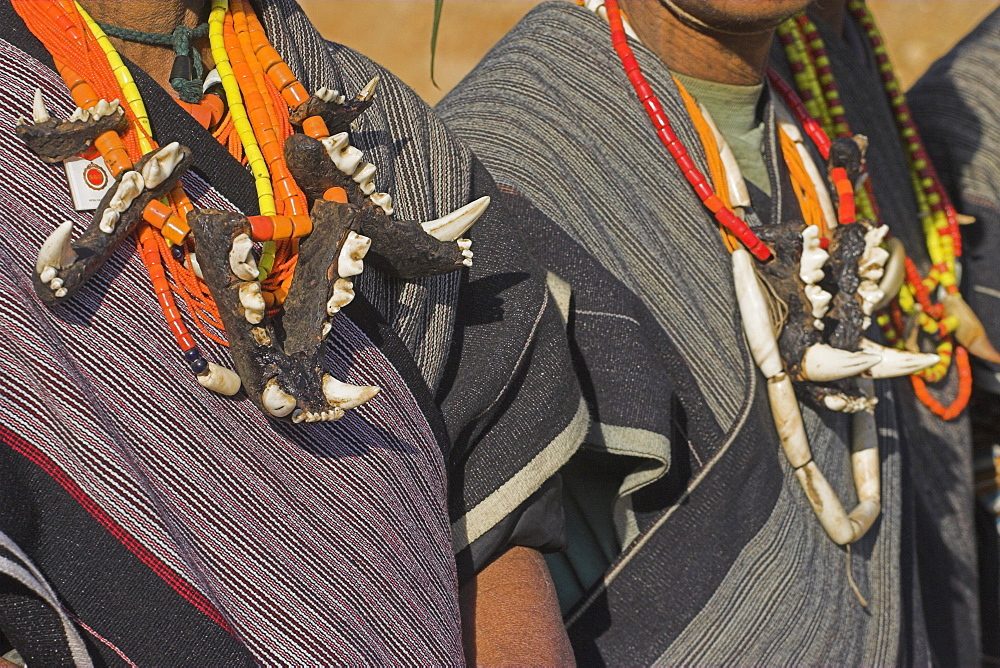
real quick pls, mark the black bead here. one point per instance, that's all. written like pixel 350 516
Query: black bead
pixel 181 68
pixel 177 252
pixel 199 365
pixel 192 355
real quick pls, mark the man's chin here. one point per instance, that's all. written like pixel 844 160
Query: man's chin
pixel 736 16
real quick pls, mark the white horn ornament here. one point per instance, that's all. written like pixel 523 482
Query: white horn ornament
pixel 456 223
pixel 352 253
pixel 346 396
pixel 56 252
pixel 822 363
pixel 39 113
pixel 241 259
pixel 219 379
pixel 276 401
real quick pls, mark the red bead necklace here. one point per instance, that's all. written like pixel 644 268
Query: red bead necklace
pixel 704 190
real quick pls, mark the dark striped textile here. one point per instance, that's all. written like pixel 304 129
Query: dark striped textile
pixel 955 105
pixel 145 519
pixel 723 561
pixel 939 500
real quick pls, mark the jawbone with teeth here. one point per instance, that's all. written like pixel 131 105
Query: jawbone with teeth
pixel 63 266
pixel 280 359
pixel 54 140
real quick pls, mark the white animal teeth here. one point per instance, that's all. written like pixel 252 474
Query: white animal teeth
pixel 80 115
pixel 872 262
pixel 346 396
pixel 56 283
pixel 108 220
pixel 349 262
pixel 298 416
pixel 383 201
pixel 343 294
pixel 467 262
pixel 334 144
pixel 159 168
pixel 219 379
pixel 47 274
pixel 326 329
pixel 369 90
pixel 322 93
pixel 241 259
pixel 101 109
pixel 252 301
pixel 364 176
pixel 38 111
pixel 467 254
pixel 813 256
pixel 56 252
pixel 897 362
pixel 276 401
pixel 129 187
pixel 464 244
pixel 822 363
pixel 458 222
pixel 61 292
pixel 870 294
pixel 348 159
pixel 819 299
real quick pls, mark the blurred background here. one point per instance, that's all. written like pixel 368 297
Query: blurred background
pixel 397 33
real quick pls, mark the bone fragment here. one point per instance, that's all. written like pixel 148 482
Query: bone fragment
pixel 241 259
pixel 55 284
pixel 129 187
pixel 970 332
pixel 162 165
pixel 79 115
pixel 383 201
pixel 352 253
pixel 56 252
pixel 754 312
pixel 193 266
pixel 252 301
pixel 345 396
pixel 896 362
pixel 39 113
pixel 343 294
pixel 893 273
pixel 870 295
pixel 845 404
pixel 219 379
pixel 825 504
pixel 788 420
pixel 108 220
pixel 456 223
pixel 348 159
pixel 820 301
pixel 871 265
pixel 822 363
pixel 275 400
pixel 47 274
pixel 334 144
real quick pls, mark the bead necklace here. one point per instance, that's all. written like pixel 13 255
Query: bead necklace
pixel 814 78
pixel 842 527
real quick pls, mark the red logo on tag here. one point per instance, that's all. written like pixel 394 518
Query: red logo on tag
pixel 95 176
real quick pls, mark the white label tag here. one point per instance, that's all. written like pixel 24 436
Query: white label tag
pixel 88 181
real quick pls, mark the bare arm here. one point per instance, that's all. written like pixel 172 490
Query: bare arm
pixel 510 615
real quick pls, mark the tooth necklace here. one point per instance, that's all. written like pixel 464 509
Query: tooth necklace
pixel 945 320
pixel 148 197
pixel 829 374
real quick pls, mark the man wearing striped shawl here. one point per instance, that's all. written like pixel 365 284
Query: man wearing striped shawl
pixel 145 520
pixel 691 540
pixel 955 104
pixel 939 499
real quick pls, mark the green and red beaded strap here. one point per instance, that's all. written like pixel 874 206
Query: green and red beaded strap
pixel 665 132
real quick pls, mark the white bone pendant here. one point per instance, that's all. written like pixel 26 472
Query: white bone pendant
pixel 754 313
pixel 458 222
pixel 788 420
pixel 219 379
pixel 352 253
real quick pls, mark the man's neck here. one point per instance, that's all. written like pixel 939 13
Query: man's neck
pixel 832 12
pixel 161 16
pixel 700 52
